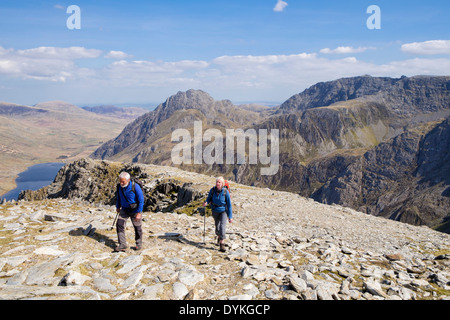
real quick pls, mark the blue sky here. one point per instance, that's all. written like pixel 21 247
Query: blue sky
pixel 256 50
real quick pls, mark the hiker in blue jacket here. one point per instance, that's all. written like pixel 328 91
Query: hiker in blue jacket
pixel 220 201
pixel 130 204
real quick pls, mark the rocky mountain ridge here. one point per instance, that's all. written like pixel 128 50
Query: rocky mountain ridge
pixel 280 245
pixel 326 133
pixel 327 93
pixel 404 96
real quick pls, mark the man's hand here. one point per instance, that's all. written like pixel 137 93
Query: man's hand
pixel 138 216
pixel 205 204
pixel 230 220
pixel 117 210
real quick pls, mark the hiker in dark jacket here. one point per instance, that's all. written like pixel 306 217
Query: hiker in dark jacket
pixel 220 201
pixel 130 204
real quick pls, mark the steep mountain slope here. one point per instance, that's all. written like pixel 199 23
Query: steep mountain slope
pixel 405 179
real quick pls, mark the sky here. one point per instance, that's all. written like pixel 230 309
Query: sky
pixel 140 52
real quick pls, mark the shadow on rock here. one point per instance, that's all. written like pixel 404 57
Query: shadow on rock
pixel 173 236
pixel 93 234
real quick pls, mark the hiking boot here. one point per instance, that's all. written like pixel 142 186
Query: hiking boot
pixel 120 248
pixel 222 247
pixel 137 247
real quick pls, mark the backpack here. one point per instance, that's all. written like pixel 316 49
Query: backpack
pixel 133 181
pixel 227 185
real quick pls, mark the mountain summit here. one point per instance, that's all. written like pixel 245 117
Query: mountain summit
pixel 145 139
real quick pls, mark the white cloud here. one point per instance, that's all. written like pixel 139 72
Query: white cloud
pixel 345 50
pixel 59 53
pixel 261 60
pixel 274 77
pixel 44 63
pixel 117 55
pixel 149 67
pixel 151 73
pixel 280 76
pixel 428 47
pixel 279 7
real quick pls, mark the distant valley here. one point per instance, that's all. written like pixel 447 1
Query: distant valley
pixel 52 132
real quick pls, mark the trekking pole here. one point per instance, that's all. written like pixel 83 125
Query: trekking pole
pixel 204 227
pixel 115 219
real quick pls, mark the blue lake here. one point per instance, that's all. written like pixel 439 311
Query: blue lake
pixel 34 178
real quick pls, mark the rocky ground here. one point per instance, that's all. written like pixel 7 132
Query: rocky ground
pixel 280 246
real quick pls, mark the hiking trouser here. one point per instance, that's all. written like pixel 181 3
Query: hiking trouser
pixel 220 221
pixel 121 223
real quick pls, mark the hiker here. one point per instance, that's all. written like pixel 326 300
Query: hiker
pixel 220 201
pixel 130 204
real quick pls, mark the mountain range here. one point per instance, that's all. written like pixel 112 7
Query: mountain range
pixel 378 145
